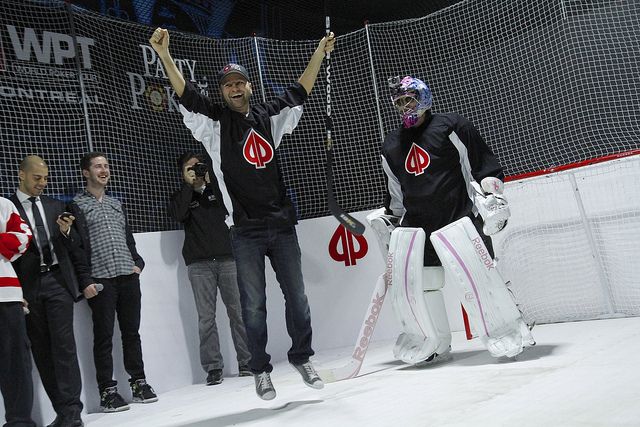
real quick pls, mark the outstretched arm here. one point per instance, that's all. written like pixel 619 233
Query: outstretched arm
pixel 160 43
pixel 308 77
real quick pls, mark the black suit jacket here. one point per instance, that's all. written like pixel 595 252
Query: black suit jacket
pixel 73 264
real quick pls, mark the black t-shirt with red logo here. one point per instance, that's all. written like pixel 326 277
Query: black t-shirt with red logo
pixel 429 168
pixel 243 151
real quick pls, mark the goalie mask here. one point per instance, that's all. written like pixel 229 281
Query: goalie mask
pixel 411 97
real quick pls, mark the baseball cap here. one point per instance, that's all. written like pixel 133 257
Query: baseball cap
pixel 230 69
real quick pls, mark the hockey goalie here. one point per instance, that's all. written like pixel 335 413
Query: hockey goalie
pixel 444 182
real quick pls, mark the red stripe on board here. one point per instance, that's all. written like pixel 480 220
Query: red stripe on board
pixel 572 165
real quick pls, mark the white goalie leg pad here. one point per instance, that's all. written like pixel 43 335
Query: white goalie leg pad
pixel 416 299
pixel 471 270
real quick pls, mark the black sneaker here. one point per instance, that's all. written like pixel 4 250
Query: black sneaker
pixel 244 371
pixel 214 377
pixel 309 375
pixel 264 386
pixel 111 401
pixel 142 392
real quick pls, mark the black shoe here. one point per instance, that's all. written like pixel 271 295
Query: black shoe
pixel 111 401
pixel 244 371
pixel 264 386
pixel 142 392
pixel 445 356
pixel 309 375
pixel 67 421
pixel 72 421
pixel 214 377
pixel 57 422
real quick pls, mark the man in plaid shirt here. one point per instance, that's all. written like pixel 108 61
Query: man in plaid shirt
pixel 115 263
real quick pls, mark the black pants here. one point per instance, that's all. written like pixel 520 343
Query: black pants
pixel 50 329
pixel 120 296
pixel 431 257
pixel 15 366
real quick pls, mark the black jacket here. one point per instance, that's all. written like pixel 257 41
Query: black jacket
pixel 206 236
pixel 74 265
pixel 243 150
pixel 430 168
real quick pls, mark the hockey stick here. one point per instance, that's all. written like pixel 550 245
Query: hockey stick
pixel 349 222
pixel 351 369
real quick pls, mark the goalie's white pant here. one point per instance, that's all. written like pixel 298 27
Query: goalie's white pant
pixel 470 269
pixel 416 298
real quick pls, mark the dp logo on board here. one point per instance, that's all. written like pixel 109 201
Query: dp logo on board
pixel 346 247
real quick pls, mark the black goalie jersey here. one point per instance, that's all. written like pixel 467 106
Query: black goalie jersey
pixel 430 168
pixel 243 151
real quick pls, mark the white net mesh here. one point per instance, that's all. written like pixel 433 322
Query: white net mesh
pixel 570 246
pixel 547 82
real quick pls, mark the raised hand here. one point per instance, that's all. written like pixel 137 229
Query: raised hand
pixel 160 41
pixel 327 43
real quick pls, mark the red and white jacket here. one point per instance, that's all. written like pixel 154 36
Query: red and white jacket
pixel 15 236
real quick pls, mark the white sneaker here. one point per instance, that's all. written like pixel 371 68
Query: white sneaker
pixel 264 386
pixel 309 375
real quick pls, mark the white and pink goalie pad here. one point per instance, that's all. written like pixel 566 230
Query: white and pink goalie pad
pixel 483 293
pixel 416 299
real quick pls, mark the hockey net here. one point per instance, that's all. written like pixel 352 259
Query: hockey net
pixel 570 248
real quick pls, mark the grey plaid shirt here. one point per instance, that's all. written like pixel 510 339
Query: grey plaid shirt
pixel 110 255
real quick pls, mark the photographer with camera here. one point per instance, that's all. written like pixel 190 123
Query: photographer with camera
pixel 207 254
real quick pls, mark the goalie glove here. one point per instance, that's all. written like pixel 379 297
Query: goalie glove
pixel 491 204
pixel 383 225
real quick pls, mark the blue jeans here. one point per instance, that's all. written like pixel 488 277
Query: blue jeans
pixel 280 245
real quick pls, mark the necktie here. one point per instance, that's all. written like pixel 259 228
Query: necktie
pixel 41 233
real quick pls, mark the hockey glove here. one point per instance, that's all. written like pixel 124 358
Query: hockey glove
pixel 492 205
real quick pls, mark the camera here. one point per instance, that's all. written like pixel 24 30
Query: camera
pixel 200 169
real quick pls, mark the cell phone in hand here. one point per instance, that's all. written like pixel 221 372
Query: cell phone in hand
pixel 65 215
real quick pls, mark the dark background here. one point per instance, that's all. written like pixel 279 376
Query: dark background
pixel 275 19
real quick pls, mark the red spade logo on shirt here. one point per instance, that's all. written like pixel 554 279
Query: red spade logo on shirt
pixel 257 150
pixel 417 160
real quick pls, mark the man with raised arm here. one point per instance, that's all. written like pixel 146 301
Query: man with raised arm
pixel 242 140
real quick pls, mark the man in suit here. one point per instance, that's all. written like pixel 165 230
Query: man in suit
pixel 53 273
